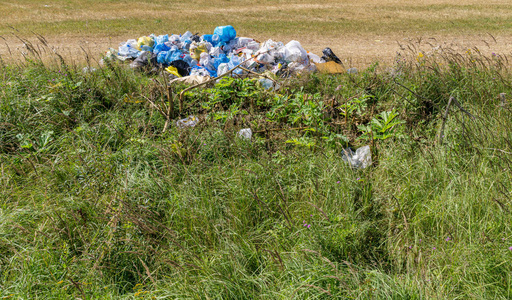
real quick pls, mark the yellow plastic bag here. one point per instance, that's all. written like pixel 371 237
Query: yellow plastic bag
pixel 145 40
pixel 173 71
pixel 195 53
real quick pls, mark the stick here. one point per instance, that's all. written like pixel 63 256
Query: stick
pixel 281 129
pixel 462 109
pixel 257 74
pixel 502 151
pixel 445 116
pixel 170 109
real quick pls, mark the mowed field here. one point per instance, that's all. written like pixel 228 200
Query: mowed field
pixel 360 32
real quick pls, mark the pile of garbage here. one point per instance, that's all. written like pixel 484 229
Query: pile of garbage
pixel 213 55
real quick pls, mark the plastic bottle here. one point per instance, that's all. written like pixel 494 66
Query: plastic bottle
pixel 266 83
pixel 352 71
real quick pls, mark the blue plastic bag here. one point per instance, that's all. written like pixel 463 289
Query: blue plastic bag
pixel 160 58
pixel 222 58
pixel 207 38
pixel 189 60
pixel 167 57
pixel 146 48
pixel 161 39
pixel 225 33
pixel 233 62
pixel 161 47
pixel 172 56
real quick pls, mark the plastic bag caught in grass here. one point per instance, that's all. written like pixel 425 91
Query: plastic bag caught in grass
pixel 245 134
pixel 191 121
pixel 360 159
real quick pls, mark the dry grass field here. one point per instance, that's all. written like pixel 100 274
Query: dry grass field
pixel 359 31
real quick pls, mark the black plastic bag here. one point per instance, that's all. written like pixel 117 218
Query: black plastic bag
pixel 195 38
pixel 182 67
pixel 330 56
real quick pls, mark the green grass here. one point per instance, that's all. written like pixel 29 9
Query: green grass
pixel 98 203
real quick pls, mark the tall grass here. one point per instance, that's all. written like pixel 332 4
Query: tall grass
pixel 97 202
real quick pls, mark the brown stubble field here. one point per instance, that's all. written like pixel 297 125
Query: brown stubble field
pixel 360 32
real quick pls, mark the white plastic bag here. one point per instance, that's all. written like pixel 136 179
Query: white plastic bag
pixel 215 51
pixel 223 68
pixel 186 36
pixel 191 121
pixel 243 42
pixel 315 58
pixel 245 133
pixel 206 61
pixel 254 46
pixel 265 58
pixel 361 159
pixel 270 45
pixel 296 53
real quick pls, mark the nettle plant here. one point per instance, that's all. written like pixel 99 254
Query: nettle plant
pixel 230 91
pixel 231 97
pixel 300 109
pixel 355 107
pixel 383 126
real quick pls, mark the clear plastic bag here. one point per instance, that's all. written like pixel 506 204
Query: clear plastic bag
pixel 360 159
